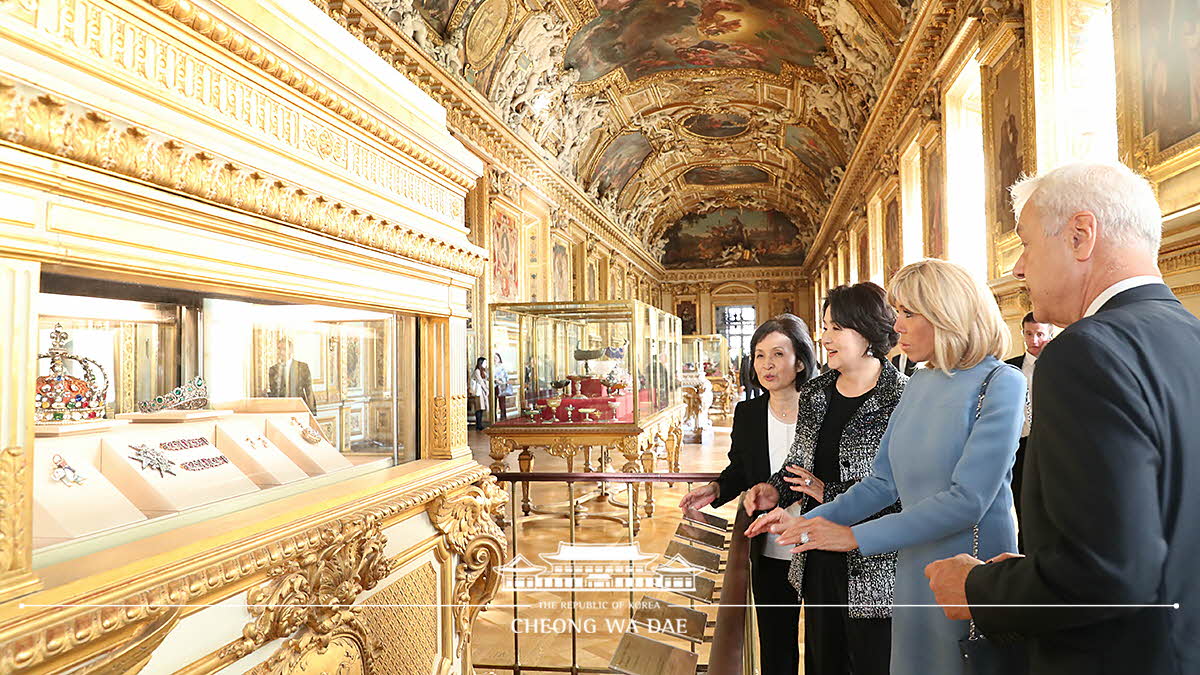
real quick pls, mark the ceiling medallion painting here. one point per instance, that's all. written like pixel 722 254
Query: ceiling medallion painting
pixel 620 161
pixel 733 238
pixel 725 175
pixel 717 125
pixel 811 149
pixel 486 31
pixel 644 37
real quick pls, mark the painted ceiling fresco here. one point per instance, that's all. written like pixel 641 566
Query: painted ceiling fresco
pixel 622 159
pixel 644 37
pixel 733 238
pixel 667 111
pixel 725 175
pixel 810 148
pixel 717 125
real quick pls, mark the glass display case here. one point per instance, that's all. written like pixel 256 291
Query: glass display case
pixel 153 402
pixel 585 363
pixel 706 354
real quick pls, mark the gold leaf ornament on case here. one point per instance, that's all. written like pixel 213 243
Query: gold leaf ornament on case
pixel 314 594
pixel 468 522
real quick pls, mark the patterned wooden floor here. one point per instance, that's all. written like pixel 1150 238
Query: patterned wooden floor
pixel 601 617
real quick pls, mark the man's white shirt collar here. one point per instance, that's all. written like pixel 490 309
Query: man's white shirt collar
pixel 1119 287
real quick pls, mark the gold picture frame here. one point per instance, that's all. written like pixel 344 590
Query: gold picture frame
pixel 1009 128
pixel 1148 143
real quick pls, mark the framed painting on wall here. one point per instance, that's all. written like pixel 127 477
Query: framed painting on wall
pixel 864 254
pixel 592 287
pixel 934 193
pixel 1007 147
pixel 1158 71
pixel 891 238
pixel 686 311
pixel 560 264
pixel 506 254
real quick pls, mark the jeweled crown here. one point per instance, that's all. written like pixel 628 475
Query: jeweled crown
pixel 65 399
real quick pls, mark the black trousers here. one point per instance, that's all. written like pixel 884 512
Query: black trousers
pixel 1018 474
pixel 478 420
pixel 834 643
pixel 778 627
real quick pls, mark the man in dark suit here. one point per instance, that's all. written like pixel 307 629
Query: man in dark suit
pixel 1110 498
pixel 1036 335
pixel 290 378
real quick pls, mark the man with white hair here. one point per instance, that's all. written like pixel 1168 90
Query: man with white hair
pixel 1112 479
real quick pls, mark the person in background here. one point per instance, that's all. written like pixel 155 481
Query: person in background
pixel 947 455
pixel 763 430
pixel 1036 336
pixel 289 377
pixel 1114 453
pixel 750 387
pixel 843 416
pixel 478 387
pixel 503 388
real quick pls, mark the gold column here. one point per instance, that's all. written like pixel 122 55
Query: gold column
pixel 443 432
pixel 18 368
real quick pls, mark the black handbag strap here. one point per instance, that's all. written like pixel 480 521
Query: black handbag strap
pixel 974 634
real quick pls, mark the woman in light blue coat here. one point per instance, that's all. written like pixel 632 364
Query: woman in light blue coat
pixel 950 470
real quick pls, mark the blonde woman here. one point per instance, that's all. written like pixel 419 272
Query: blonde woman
pixel 948 464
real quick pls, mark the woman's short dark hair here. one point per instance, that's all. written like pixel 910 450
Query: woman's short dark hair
pixel 794 328
pixel 864 308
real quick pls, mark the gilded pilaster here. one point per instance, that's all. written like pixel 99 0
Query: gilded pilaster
pixel 18 371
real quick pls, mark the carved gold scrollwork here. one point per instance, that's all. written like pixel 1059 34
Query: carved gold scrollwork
pixel 500 449
pixel 132 656
pixel 468 523
pixel 44 122
pixel 314 594
pixel 440 439
pixel 565 449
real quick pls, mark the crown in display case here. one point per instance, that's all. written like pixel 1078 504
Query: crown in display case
pixel 64 399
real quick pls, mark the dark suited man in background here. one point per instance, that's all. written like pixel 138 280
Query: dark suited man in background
pixel 290 378
pixel 1111 478
pixel 1036 335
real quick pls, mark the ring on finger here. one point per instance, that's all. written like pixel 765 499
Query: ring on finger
pixel 808 481
pixel 803 537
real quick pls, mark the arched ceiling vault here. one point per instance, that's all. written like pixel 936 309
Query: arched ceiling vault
pixel 665 110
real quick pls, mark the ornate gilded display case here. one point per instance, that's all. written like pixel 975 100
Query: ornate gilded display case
pixel 258 249
pixel 600 380
pixel 707 356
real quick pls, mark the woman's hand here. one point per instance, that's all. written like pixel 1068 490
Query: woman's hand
pixel 767 522
pixel 805 481
pixel 700 497
pixel 761 497
pixel 817 534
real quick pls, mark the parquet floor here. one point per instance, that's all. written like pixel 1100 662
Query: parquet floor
pixel 542 621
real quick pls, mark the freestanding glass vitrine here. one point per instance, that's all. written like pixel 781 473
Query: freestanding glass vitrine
pixel 584 375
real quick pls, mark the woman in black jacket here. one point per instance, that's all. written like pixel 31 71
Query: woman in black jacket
pixel 843 415
pixel 763 430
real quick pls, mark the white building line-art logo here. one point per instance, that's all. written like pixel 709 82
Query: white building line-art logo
pixel 599 567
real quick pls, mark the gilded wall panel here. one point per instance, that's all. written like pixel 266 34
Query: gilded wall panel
pixel 114 43
pixel 403 618
pixel 49 122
